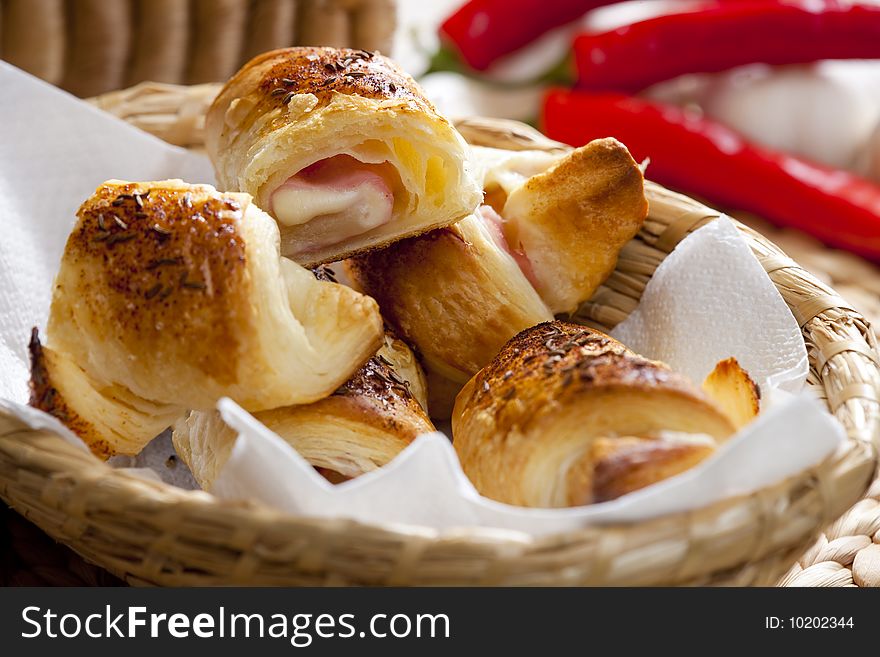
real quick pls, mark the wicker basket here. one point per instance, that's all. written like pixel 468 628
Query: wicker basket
pixel 91 47
pixel 148 532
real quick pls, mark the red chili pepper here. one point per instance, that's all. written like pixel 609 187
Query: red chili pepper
pixel 484 30
pixel 719 37
pixel 695 155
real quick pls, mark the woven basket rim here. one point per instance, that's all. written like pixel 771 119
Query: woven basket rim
pixel 80 500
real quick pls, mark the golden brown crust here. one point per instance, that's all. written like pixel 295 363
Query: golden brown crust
pixel 730 386
pixel 459 293
pixel 451 293
pixel 623 465
pixel 178 293
pixel 379 395
pixel 397 354
pixel 109 419
pixel 394 361
pixel 45 396
pixel 173 269
pixel 532 427
pixel 319 71
pixel 278 87
pixel 558 360
pixel 573 219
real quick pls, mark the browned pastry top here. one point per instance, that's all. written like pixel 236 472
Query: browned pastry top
pixel 377 379
pixel 554 360
pixel 376 384
pixel 321 71
pixel 174 263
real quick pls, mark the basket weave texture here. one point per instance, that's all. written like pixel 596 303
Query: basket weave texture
pixel 90 47
pixel 147 532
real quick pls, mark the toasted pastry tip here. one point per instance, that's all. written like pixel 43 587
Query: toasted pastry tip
pixel 731 387
pixel 45 396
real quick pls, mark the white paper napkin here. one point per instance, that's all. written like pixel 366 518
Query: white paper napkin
pixel 54 151
pixel 710 300
pixel 425 485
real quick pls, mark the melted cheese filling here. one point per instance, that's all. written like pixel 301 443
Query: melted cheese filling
pixel 334 200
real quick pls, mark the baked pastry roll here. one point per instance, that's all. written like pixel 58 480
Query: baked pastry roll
pixel 342 148
pixel 459 293
pixel 566 416
pixel 571 221
pixel 456 294
pixel 170 296
pixel 361 427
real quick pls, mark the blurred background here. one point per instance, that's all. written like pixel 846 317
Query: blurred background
pixel 496 56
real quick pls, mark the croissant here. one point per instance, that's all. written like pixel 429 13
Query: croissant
pixel 170 296
pixel 459 293
pixel 567 416
pixel 361 427
pixel 342 148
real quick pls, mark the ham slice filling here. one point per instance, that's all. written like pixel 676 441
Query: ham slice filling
pixel 337 198
pixel 495 223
